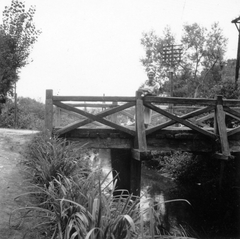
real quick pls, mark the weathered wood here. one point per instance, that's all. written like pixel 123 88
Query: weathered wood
pixel 220 156
pixel 49 113
pixel 171 138
pixel 104 113
pixel 141 155
pixel 182 121
pixel 135 177
pixel 92 105
pixel 220 116
pixel 141 142
pixel 96 117
pixel 186 116
pixel 58 117
pixel 204 118
pixel 95 98
pixel 73 114
pixel 156 138
pixel 232 116
pixel 180 100
pixel 232 112
pixel 233 131
pixel 127 114
pixel 231 103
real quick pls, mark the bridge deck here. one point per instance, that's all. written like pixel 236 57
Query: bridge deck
pixel 170 138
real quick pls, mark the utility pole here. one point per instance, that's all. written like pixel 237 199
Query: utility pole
pixel 15 107
pixel 171 57
pixel 237 24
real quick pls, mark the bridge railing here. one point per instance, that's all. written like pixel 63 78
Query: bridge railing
pixel 203 109
pixel 111 106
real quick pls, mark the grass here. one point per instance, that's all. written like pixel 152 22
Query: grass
pixel 73 202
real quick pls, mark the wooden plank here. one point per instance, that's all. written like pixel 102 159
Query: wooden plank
pixel 92 105
pixel 87 121
pixel 141 142
pixel 106 143
pixel 233 116
pixel 232 112
pixel 131 116
pixel 73 114
pixel 204 118
pixel 220 116
pixel 186 116
pixel 95 98
pixel 48 113
pixel 97 117
pixel 141 155
pixel 172 138
pixel 181 121
pixel 231 103
pixel 180 100
pixel 233 131
pixel 220 156
pixel 203 145
pixel 58 117
pixel 105 112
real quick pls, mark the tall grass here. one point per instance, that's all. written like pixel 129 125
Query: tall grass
pixel 74 202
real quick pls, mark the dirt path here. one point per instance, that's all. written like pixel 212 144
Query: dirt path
pixel 12 181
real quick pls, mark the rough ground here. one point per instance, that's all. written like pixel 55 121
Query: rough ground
pixel 12 181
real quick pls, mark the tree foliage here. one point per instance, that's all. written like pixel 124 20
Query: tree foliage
pixel 17 37
pixel 202 67
pixel 30 114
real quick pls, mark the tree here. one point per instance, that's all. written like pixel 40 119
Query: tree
pixel 202 58
pixel 153 47
pixel 17 37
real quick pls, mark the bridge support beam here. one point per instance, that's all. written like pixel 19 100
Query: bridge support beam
pixel 140 145
pixel 121 163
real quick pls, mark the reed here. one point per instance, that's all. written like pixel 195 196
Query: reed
pixel 75 202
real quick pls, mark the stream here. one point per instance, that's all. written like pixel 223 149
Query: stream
pixel 195 209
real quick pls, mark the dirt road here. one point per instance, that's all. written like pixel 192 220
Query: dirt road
pixel 12 181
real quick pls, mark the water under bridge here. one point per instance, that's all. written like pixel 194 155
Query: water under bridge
pixel 115 122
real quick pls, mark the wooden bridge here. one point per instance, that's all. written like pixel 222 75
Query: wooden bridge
pixel 183 124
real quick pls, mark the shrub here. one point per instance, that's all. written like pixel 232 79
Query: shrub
pixel 179 165
pixel 29 114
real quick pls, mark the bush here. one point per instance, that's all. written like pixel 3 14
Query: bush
pixel 30 114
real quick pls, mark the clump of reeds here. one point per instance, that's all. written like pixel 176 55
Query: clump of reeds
pixel 74 202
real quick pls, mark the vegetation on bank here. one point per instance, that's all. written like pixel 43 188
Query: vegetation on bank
pixel 70 200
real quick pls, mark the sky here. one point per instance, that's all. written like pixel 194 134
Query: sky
pixel 92 47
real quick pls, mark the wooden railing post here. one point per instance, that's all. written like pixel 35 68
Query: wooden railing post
pixel 221 128
pixel 140 139
pixel 49 113
pixel 140 145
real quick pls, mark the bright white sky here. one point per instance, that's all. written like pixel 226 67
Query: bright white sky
pixel 92 47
